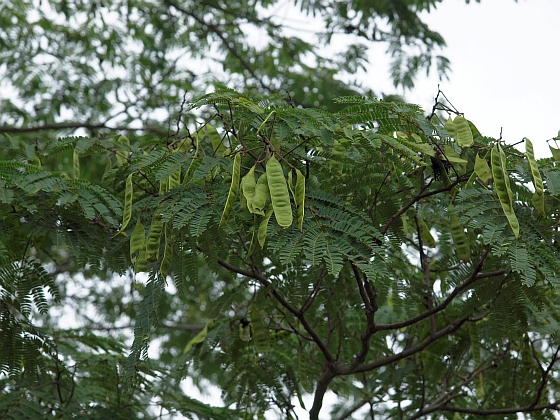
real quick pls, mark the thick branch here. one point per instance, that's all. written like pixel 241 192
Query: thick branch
pixel 417 198
pixel 459 289
pixel 282 300
pixel 367 292
pixel 451 328
pixel 322 387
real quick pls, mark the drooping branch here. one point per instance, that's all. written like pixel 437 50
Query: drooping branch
pixel 284 302
pixel 450 329
pixel 475 275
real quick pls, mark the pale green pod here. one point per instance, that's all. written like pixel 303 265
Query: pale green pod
pixel 167 251
pixel 154 237
pixel 502 187
pixel 460 238
pixel 464 135
pixel 122 154
pixel 450 128
pixel 244 331
pixel 234 187
pixel 427 237
pixel 261 195
pixel 215 140
pixel 499 179
pixel 482 169
pixel 199 338
pixel 127 211
pixel 76 164
pixel 260 333
pixel 279 194
pixel 141 262
pixel 261 235
pixel 137 238
pixel 300 198
pixel 248 185
pixel 538 196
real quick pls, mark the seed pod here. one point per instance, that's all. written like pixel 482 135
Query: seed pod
pixel 248 185
pixel 482 169
pixel 300 198
pixel 261 236
pixel 127 211
pixel 167 251
pixel 76 164
pixel 137 238
pixel 460 238
pixel 427 237
pixel 279 194
pixel 215 140
pixel 450 128
pixel 154 237
pixel 260 334
pixel 199 338
pixel 233 188
pixel 261 195
pixel 141 263
pixel 538 197
pixel 464 135
pixel 503 190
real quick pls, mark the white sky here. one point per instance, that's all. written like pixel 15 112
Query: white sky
pixel 505 67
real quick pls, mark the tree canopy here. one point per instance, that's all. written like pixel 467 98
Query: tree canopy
pixel 126 64
pixel 277 241
pixel 408 265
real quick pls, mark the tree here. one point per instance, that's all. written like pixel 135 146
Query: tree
pixel 409 266
pixel 124 65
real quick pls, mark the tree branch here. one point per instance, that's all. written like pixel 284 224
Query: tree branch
pixel 284 302
pixel 459 289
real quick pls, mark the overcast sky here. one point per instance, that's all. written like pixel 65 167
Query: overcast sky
pixel 505 59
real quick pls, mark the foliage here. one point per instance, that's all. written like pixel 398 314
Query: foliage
pixel 124 65
pixel 370 251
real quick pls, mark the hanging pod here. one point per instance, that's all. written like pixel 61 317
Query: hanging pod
pixel 234 187
pixel 502 187
pixel 279 192
pixel 538 196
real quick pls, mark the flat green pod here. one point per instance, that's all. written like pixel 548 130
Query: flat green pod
pixel 199 338
pixel 154 237
pixel 450 128
pixel 464 135
pixel 538 196
pixel 248 185
pixel 300 198
pixel 279 194
pixel 262 193
pixel 261 234
pixel 482 169
pixel 127 211
pixel 427 237
pixel 76 164
pixel 137 238
pixel 122 154
pixel 234 187
pixel 260 333
pixel 167 251
pixel 460 238
pixel 215 140
pixel 502 187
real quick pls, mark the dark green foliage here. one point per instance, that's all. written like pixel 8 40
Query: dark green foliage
pixel 369 299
